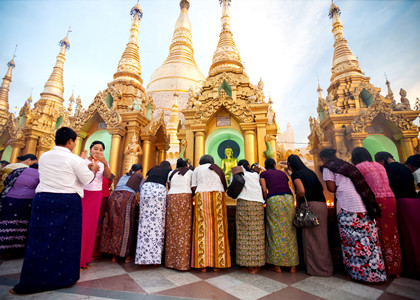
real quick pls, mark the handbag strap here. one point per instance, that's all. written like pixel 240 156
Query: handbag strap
pixel 306 201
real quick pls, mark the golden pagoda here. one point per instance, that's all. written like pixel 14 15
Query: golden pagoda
pixel 228 111
pixel 179 72
pixel 355 114
pixel 120 116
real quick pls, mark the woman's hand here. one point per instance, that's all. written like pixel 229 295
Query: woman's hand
pixel 101 158
pixel 84 154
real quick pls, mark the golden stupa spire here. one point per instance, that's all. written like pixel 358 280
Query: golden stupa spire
pixel 344 62
pixel 129 64
pixel 226 58
pixel 4 89
pixel 181 49
pixel 319 90
pixel 54 85
pixel 180 64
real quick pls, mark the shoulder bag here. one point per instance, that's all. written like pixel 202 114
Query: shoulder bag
pixel 305 218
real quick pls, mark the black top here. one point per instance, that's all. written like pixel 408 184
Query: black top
pixel 313 188
pixel 401 180
pixel 158 175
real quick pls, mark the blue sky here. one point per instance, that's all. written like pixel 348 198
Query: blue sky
pixel 287 43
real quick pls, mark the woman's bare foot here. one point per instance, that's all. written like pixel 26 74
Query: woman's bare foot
pixel 12 291
pixel 88 266
pixel 216 269
pixel 276 269
pixel 203 270
pixel 293 269
pixel 128 259
pixel 114 259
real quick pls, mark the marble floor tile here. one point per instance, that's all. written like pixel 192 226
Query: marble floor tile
pixel 198 290
pixel 406 287
pixel 117 283
pixel 153 280
pixel 313 287
pixel 284 277
pixel 182 278
pixel 100 269
pixel 224 281
pixel 261 282
pixel 359 289
pixel 290 293
pixel 246 292
pixel 389 296
pixel 337 294
pixel 11 266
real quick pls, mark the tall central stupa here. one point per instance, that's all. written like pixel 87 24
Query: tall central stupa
pixel 179 72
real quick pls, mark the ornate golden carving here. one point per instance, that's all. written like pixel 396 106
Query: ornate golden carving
pixel 316 131
pixel 207 109
pixel 111 117
pixel 377 107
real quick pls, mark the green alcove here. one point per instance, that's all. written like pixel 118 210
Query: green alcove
pixel 217 137
pixel 376 143
pixel 104 137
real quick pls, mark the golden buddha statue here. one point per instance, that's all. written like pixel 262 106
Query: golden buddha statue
pixel 228 163
pixel 132 153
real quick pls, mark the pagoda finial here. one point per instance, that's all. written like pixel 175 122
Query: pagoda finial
pixel 4 88
pixel 129 64
pixel 344 62
pixel 184 4
pixel 54 85
pixel 65 41
pixel 390 93
pixel 226 58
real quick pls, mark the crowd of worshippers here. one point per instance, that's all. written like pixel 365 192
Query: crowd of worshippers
pixel 59 213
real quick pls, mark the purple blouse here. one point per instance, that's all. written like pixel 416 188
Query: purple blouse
pixel 25 185
pixel 276 181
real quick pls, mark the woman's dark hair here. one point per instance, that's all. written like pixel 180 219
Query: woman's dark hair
pixel 63 135
pixel 296 163
pixel 97 143
pixel 359 155
pixel 270 163
pixel 245 164
pixel 414 160
pixel 34 166
pixel 135 168
pixel 165 164
pixel 383 156
pixel 328 153
pixel 181 163
pixel 26 156
pixel 206 159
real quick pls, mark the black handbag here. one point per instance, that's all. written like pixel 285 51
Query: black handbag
pixel 305 218
pixel 237 184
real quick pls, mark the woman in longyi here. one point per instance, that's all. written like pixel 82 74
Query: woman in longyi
pixel 210 217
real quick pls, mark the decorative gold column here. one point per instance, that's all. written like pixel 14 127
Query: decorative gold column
pixel 79 141
pixel 115 152
pixel 16 149
pixel 199 146
pixel 30 144
pixel 162 154
pixel 408 149
pixel 147 148
pixel 261 132
pixel 249 132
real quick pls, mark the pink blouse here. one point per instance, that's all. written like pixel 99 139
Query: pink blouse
pixel 377 179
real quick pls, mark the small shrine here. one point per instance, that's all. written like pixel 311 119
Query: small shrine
pixel 355 114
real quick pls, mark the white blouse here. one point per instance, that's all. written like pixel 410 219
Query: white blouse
pixel 180 184
pixel 206 180
pixel 61 171
pixel 252 189
pixel 96 184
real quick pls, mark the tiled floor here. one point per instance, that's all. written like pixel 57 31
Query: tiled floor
pixel 107 280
